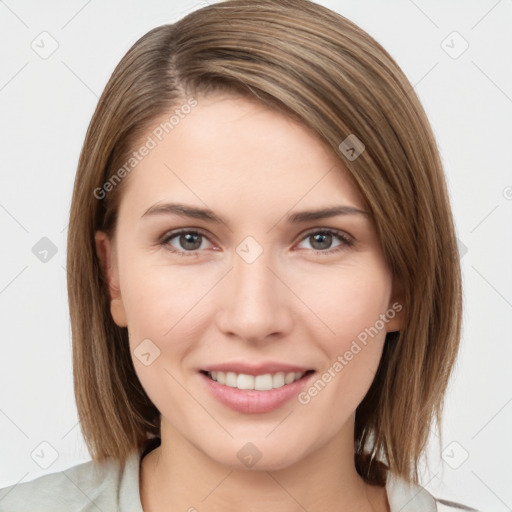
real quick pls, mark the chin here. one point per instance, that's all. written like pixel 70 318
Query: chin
pixel 258 455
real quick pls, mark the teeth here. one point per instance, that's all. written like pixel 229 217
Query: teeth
pixel 231 380
pixel 258 382
pixel 263 382
pixel 278 380
pixel 244 381
pixel 289 378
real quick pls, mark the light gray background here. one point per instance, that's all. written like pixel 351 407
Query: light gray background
pixel 46 105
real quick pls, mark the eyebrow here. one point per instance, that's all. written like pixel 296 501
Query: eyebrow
pixel 206 214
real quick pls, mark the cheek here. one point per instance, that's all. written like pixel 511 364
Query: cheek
pixel 351 302
pixel 165 305
pixel 356 310
pixel 162 322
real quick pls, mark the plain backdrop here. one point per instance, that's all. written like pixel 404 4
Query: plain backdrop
pixel 456 55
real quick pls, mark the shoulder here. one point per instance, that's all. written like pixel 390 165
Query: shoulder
pixel 452 506
pixel 406 497
pixel 85 487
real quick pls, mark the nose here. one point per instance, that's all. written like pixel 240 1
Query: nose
pixel 254 303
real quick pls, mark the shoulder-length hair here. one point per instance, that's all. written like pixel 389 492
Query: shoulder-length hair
pixel 308 62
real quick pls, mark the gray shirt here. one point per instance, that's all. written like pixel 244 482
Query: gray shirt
pixel 108 487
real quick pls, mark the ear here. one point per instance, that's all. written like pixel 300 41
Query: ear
pixel 105 250
pixel 396 308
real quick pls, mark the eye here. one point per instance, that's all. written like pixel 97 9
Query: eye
pixel 189 241
pixel 321 240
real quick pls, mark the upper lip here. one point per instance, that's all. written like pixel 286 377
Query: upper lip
pixel 255 369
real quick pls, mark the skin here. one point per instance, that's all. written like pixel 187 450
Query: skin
pixel 294 304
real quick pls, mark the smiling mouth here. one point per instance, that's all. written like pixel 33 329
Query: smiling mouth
pixel 263 382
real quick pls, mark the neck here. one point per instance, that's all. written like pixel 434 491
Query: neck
pixel 178 476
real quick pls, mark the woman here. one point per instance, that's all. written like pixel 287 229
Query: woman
pixel 264 284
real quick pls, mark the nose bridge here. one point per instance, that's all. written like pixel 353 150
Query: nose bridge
pixel 254 284
pixel 252 277
pixel 253 305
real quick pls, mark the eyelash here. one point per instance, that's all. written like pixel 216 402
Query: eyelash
pixel 346 240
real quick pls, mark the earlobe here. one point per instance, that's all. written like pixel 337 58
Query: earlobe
pixel 104 251
pixel 395 314
pixel 118 313
pixel 106 256
pixel 396 309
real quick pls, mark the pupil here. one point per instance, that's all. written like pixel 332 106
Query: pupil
pixel 187 241
pixel 318 238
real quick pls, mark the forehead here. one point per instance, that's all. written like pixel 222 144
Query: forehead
pixel 230 152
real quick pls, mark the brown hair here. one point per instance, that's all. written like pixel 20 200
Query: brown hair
pixel 313 64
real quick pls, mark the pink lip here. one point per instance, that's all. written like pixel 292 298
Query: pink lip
pixel 255 369
pixel 251 401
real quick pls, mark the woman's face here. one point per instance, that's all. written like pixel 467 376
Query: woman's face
pixel 263 293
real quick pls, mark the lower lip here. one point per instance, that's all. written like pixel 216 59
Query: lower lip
pixel 250 401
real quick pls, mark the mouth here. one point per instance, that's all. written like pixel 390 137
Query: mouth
pixel 255 393
pixel 262 382
pixel 253 387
